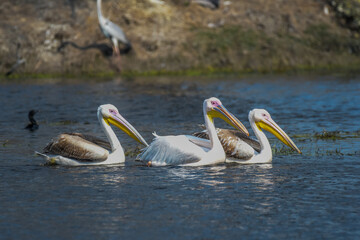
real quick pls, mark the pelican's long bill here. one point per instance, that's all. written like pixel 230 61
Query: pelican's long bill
pixel 117 120
pixel 221 112
pixel 270 126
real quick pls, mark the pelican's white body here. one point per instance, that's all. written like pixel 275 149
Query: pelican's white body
pixel 116 157
pixel 186 150
pixel 265 156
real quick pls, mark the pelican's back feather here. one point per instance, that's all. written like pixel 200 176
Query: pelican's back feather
pixel 93 139
pixel 75 146
pixel 171 150
pixel 235 143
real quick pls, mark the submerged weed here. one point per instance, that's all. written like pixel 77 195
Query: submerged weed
pixel 282 150
pixel 133 152
pixel 318 144
pixel 4 143
pixel 336 152
pixel 325 135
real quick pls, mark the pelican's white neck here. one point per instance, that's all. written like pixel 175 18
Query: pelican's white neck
pixel 265 154
pixel 110 134
pixel 210 127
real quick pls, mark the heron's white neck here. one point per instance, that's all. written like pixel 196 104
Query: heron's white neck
pixel 110 134
pixel 265 154
pixel 98 3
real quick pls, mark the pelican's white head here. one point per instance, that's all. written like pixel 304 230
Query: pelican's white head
pixel 111 115
pixel 215 109
pixel 263 120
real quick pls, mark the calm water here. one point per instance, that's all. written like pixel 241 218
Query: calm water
pixel 315 195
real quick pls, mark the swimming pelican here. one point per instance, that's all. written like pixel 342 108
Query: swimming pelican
pixel 76 149
pixel 187 150
pixel 241 149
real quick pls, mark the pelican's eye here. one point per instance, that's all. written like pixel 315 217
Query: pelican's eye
pixel 266 116
pixel 112 111
pixel 214 103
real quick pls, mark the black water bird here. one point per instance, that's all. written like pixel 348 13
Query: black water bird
pixel 32 125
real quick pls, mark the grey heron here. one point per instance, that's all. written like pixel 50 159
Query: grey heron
pixel 112 31
pixel 18 63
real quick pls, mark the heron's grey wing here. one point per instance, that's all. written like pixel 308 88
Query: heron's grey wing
pixel 93 139
pixel 76 147
pixel 115 31
pixel 170 150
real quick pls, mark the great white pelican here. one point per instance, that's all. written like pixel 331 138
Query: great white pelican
pixel 76 149
pixel 188 150
pixel 242 149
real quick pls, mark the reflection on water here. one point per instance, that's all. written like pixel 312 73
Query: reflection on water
pixel 313 194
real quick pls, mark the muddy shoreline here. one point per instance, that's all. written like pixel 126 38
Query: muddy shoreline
pixel 178 37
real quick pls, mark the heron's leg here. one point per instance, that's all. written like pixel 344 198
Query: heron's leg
pixel 116 46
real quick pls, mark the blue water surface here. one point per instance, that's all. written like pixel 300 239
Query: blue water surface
pixel 315 195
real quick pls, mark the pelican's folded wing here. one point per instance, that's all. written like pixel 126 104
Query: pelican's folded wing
pixel 93 139
pixel 200 141
pixel 75 147
pixel 171 150
pixel 235 143
pixel 241 136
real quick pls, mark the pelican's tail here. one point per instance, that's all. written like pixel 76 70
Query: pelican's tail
pixel 41 154
pixel 49 160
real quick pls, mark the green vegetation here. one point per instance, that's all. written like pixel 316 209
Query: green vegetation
pixel 232 49
pixel 236 49
pixel 320 37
